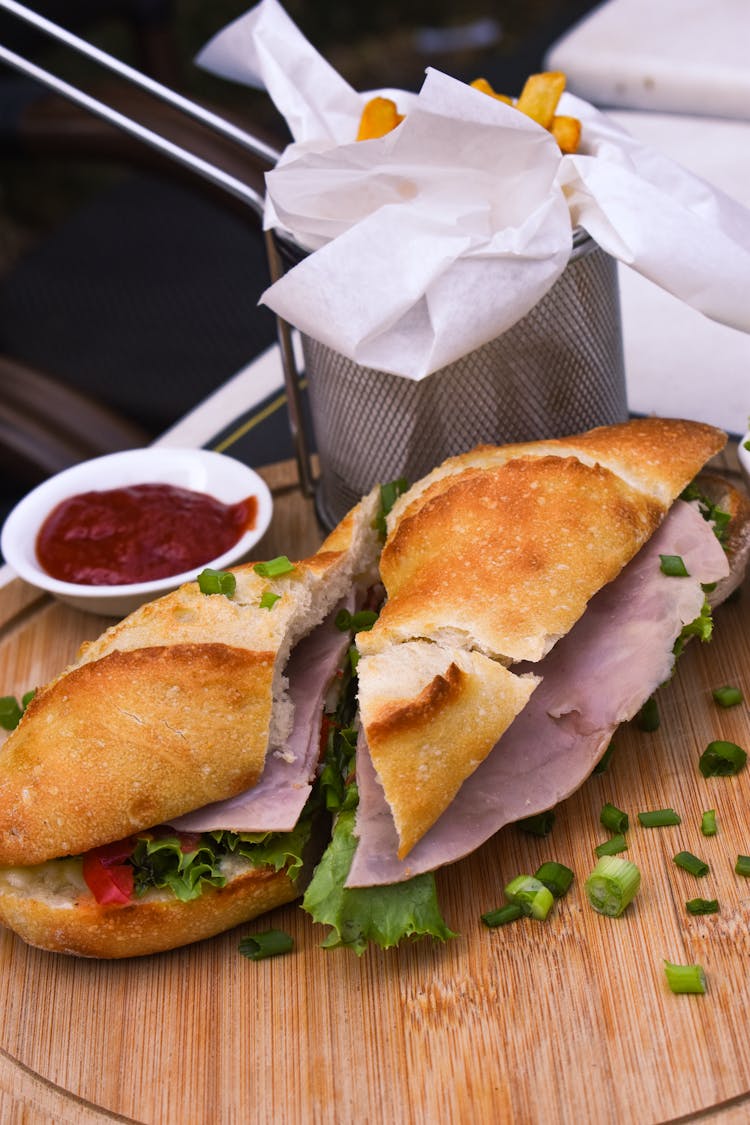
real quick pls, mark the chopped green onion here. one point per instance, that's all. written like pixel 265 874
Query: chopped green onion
pixel 358 622
pixel 217 582
pixel 648 717
pixel 659 818
pixel 612 846
pixel 274 568
pixel 269 944
pixel 353 657
pixel 689 862
pixel 612 885
pixel 555 876
pixel 685 978
pixel 531 895
pixel 504 914
pixel 742 866
pixel 702 906
pixel 539 825
pixel 614 819
pixel 389 494
pixel 673 566
pixel 268 599
pixel 721 759
pixel 746 444
pixel 10 712
pixel 603 764
pixel 708 823
pixel 727 696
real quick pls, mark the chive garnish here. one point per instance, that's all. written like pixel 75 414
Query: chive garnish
pixel 673 566
pixel 268 599
pixel 504 914
pixel 708 823
pixel 742 866
pixel 603 764
pixel 389 494
pixel 727 696
pixel 612 885
pixel 358 622
pixel 534 899
pixel 257 947
pixel 539 825
pixel 274 568
pixel 613 819
pixel 702 906
pixel 722 759
pixel 689 862
pixel 659 818
pixel 555 876
pixel 612 846
pixel 648 717
pixel 685 978
pixel 10 712
pixel 217 582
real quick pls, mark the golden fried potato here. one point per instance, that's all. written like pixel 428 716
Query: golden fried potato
pixel 379 117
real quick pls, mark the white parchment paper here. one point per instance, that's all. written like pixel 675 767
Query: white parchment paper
pixel 434 239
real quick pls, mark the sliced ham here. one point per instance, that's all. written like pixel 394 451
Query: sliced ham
pixel 275 803
pixel 595 678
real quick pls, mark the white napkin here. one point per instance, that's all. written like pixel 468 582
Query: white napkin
pixel 436 238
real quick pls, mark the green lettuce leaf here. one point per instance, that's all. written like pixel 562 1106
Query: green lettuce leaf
pixel 161 862
pixel 359 915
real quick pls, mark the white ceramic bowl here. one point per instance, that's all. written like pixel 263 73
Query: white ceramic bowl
pixel 220 476
pixel 743 452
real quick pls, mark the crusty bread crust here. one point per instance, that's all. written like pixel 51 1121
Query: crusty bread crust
pixel 658 456
pixel 432 715
pixel 506 559
pixel 128 741
pixel 86 929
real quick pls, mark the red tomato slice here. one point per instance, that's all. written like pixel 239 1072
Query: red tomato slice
pixel 109 879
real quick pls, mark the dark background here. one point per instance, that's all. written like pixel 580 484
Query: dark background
pixel 127 281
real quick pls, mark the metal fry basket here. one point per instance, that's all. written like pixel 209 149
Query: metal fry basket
pixel 557 371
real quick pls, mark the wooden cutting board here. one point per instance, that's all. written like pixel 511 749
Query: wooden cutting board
pixel 564 1021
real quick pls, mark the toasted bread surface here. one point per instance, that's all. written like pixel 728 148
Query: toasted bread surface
pixel 125 742
pixel 506 559
pixel 658 456
pixel 78 925
pixel 432 715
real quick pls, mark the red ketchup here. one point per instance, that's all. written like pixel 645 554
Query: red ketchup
pixel 139 533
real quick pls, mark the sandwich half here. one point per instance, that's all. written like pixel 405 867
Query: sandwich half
pixel 564 575
pixel 194 700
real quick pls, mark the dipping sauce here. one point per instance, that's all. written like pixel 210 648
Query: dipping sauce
pixel 139 533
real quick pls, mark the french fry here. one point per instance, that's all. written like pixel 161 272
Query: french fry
pixel 567 132
pixel 540 96
pixel 379 117
pixel 483 85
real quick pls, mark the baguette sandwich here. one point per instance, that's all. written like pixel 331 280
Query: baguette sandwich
pixel 167 786
pixel 193 700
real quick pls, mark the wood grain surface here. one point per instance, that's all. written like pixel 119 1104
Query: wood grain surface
pixel 564 1021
